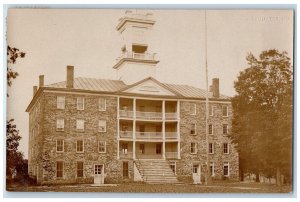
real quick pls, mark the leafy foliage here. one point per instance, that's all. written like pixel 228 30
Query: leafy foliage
pixel 12 55
pixel 262 121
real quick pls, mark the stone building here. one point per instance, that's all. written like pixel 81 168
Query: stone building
pixel 86 130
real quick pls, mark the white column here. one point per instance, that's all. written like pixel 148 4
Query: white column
pixel 164 130
pixel 133 150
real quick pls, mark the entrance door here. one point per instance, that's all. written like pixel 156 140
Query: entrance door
pixel 99 174
pixel 196 174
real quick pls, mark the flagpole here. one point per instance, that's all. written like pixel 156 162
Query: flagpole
pixel 207 175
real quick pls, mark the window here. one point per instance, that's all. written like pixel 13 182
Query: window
pixel 192 109
pixel 193 129
pixel 60 124
pixel 59 168
pixel 225 148
pixel 142 129
pixel 80 103
pixel 125 169
pixel 225 129
pixel 173 167
pixel 79 146
pixel 211 148
pixel 80 124
pixel 102 104
pixel 210 129
pixel 195 169
pixel 211 110
pixel 59 146
pixel 102 125
pixel 158 148
pixel 212 168
pixel 225 110
pixel 101 146
pixel 125 148
pixel 142 149
pixel 60 102
pixel 79 169
pixel 193 148
pixel 226 169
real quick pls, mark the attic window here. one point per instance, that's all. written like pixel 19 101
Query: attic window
pixel 139 48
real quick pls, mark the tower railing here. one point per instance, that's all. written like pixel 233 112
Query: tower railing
pixel 140 56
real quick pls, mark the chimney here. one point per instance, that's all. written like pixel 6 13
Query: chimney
pixel 34 90
pixel 215 87
pixel 70 76
pixel 41 80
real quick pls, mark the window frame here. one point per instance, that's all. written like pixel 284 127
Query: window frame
pixel 77 151
pixel 227 148
pixel 212 168
pixel 63 145
pixel 212 129
pixel 99 101
pixel 192 129
pixel 211 110
pixel 195 147
pixel 58 103
pixel 195 109
pixel 77 124
pixel 226 129
pixel 102 152
pixel 57 124
pixel 104 121
pixel 228 169
pixel 173 163
pixel 78 170
pixel 226 111
pixel 211 149
pixel 61 170
pixel 77 106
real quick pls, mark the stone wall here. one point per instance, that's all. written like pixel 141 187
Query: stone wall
pixel 90 136
pixel 184 166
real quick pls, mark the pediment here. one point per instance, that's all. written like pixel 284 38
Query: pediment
pixel 149 87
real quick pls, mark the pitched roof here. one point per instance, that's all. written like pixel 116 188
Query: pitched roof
pixel 105 85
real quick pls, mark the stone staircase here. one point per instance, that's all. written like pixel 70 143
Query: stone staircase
pixel 156 171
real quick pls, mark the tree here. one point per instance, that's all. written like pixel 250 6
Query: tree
pixel 13 156
pixel 262 114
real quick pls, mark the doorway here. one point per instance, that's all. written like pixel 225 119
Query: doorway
pixel 99 174
pixel 196 174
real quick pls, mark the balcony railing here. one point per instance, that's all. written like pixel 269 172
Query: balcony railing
pixel 126 155
pixel 170 135
pixel 171 116
pixel 148 135
pixel 126 114
pixel 171 155
pixel 126 134
pixel 149 156
pixel 148 115
pixel 140 56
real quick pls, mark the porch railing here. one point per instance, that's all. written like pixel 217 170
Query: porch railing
pixel 149 156
pixel 126 113
pixel 148 135
pixel 148 115
pixel 126 155
pixel 170 116
pixel 141 56
pixel 171 155
pixel 126 134
pixel 171 135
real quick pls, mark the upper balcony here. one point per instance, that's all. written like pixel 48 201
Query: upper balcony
pixel 137 56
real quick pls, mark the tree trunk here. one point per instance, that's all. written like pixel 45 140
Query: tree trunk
pixel 278 177
pixel 257 176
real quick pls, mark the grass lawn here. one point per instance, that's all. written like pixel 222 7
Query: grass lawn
pixel 236 187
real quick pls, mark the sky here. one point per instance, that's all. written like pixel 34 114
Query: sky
pixel 87 39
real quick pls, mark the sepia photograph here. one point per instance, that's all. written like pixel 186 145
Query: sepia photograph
pixel 134 100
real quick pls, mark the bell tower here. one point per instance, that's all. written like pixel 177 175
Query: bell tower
pixel 137 61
